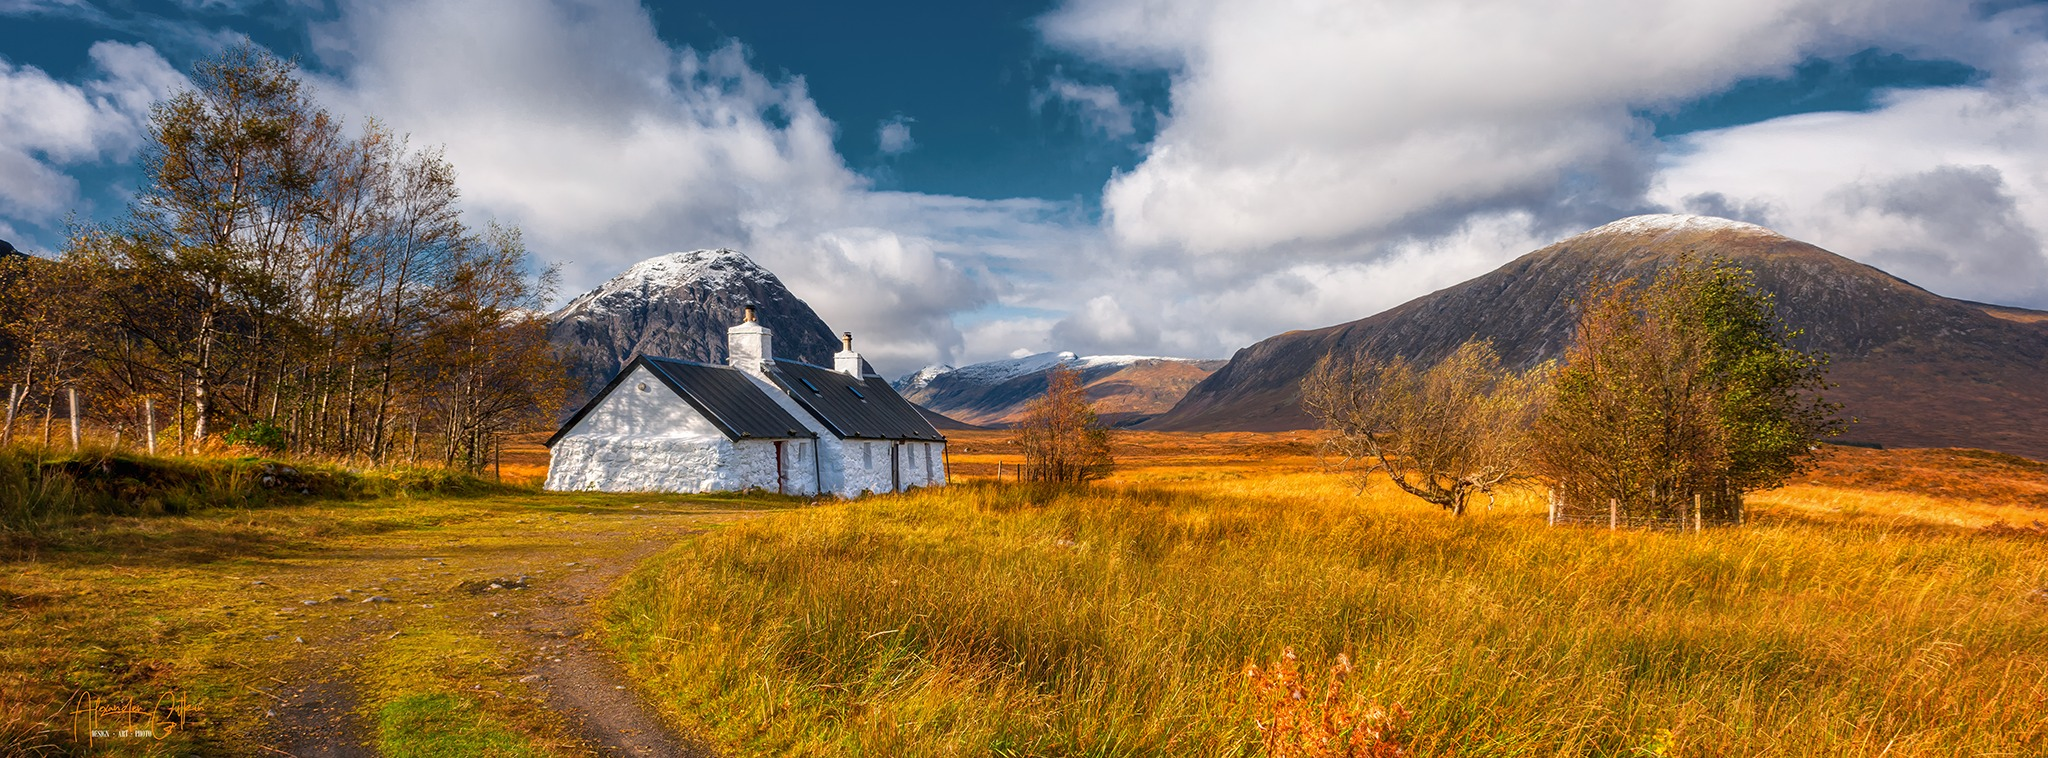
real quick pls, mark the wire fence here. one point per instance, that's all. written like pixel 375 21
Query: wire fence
pixel 1717 509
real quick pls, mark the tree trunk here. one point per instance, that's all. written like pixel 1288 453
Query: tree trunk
pixel 13 402
pixel 349 433
pixel 202 400
pixel 383 410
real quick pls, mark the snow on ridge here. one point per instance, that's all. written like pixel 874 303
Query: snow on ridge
pixel 681 268
pixel 921 378
pixel 719 269
pixel 997 371
pixel 1668 223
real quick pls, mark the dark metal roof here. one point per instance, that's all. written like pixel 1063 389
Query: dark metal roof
pixel 864 408
pixel 723 394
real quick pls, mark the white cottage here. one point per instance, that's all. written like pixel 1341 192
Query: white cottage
pixel 665 425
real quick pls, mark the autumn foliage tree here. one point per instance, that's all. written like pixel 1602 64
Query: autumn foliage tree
pixel 1443 434
pixel 290 279
pixel 1062 439
pixel 1689 386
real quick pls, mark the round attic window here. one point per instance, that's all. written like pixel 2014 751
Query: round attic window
pixel 643 386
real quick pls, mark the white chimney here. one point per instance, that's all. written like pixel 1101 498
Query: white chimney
pixel 846 361
pixel 750 346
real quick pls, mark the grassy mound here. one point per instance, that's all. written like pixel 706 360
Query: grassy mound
pixel 39 488
pixel 984 620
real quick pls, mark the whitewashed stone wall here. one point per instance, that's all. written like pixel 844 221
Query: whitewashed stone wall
pixel 654 441
pixel 866 463
pixel 646 438
pixel 924 464
pixel 826 469
pixel 629 464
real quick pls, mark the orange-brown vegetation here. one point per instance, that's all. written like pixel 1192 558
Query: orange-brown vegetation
pixel 1296 725
pixel 1950 473
pixel 1062 440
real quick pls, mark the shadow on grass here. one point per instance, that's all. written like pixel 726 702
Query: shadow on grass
pixel 312 528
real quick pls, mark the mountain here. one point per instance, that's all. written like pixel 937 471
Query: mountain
pixel 1123 389
pixel 943 422
pixel 679 306
pixel 1914 368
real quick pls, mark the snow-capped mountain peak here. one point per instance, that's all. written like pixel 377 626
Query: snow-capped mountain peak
pixel 718 269
pixel 679 306
pixel 1667 223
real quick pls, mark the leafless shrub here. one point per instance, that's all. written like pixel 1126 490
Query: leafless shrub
pixel 1444 434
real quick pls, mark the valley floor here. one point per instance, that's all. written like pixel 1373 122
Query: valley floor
pixel 1894 602
pixel 404 627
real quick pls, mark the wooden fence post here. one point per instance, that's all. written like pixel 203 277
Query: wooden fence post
pixel 1698 521
pixel 1553 507
pixel 149 422
pixel 1613 513
pixel 13 402
pixel 74 417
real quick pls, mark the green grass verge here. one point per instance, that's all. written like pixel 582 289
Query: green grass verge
pixel 980 620
pixel 39 488
pixel 444 726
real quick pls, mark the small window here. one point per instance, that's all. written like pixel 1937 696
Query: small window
pixel 867 455
pixel 799 452
pixel 856 393
pixel 928 456
pixel 807 383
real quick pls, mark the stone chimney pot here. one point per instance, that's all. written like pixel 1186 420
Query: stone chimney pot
pixel 846 361
pixel 750 346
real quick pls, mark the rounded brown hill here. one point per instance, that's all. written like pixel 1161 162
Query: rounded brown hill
pixel 1915 369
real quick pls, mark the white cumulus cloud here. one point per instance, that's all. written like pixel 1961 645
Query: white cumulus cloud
pixel 1098 106
pixel 892 137
pixel 48 125
pixel 1947 188
pixel 1297 123
pixel 608 145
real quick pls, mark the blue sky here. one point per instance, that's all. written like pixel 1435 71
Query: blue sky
pixel 961 181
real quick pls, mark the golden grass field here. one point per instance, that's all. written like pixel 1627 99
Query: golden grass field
pixel 1890 603
pixel 1864 611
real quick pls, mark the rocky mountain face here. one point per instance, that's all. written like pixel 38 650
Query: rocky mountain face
pixel 1914 369
pixel 679 306
pixel 1123 389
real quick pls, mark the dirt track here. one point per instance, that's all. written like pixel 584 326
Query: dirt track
pixel 551 570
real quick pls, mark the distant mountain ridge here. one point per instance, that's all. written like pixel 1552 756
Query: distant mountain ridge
pixel 679 306
pixel 1123 389
pixel 1917 369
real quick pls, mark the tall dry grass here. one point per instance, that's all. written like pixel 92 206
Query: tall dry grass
pixel 985 619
